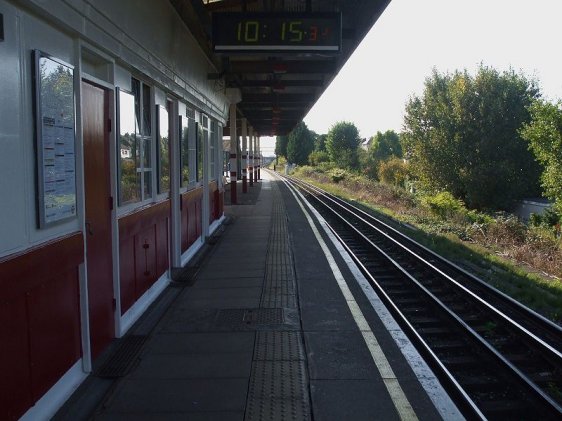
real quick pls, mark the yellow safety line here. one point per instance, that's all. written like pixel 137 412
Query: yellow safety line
pixel 399 399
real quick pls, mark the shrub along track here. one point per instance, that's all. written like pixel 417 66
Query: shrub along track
pixel 499 359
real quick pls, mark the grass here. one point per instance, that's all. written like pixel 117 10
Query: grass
pixel 494 251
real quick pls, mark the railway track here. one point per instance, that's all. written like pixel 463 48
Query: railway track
pixel 497 358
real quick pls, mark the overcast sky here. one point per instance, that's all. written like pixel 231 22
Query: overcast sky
pixel 413 36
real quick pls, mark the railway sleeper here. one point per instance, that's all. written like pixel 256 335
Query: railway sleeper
pixel 438 344
pixel 403 300
pixel 425 321
pixel 461 362
pixel 434 331
pixel 507 409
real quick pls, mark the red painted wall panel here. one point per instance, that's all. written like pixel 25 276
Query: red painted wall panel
pixel 127 272
pixel 192 223
pixel 198 214
pixel 53 320
pixel 39 321
pixel 144 249
pixel 15 382
pixel 184 225
pixel 145 257
pixel 190 209
pixel 162 241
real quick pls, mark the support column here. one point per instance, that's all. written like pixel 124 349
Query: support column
pixel 244 161
pixel 251 157
pixel 233 149
pixel 259 157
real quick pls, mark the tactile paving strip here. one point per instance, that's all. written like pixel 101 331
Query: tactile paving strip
pixel 278 346
pixel 277 409
pixel 274 299
pixel 278 382
pixel 278 391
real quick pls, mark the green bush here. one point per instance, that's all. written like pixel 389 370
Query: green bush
pixel 393 171
pixel 548 219
pixel 337 175
pixel 444 205
pixel 318 157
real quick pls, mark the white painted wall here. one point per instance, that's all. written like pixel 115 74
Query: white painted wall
pixel 144 37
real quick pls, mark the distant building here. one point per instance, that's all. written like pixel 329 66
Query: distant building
pixel 526 207
pixel 365 143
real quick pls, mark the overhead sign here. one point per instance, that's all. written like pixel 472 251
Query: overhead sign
pixel 276 32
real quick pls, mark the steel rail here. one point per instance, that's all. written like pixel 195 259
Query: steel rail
pixel 545 323
pixel 548 347
pixel 483 342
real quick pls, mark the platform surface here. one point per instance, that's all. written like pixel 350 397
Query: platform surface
pixel 264 333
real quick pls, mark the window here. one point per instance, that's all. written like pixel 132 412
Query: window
pixel 184 151
pixel 129 152
pixel 135 144
pixel 187 148
pixel 213 149
pixel 163 149
pixel 202 139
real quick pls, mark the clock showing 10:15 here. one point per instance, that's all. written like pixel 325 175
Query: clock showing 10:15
pixel 278 31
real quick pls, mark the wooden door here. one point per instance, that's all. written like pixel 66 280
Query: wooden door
pixel 96 127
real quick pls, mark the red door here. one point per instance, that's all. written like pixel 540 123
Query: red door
pixel 95 126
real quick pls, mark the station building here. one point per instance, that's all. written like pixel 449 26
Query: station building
pixel 112 117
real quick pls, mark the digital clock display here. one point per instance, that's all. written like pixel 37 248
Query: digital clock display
pixel 282 32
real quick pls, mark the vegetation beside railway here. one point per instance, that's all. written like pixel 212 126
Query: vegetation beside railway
pixel 523 261
pixel 471 147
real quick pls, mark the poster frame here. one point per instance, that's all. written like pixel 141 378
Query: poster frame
pixel 45 196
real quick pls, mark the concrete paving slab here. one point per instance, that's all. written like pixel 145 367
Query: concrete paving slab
pixel 357 400
pixel 223 293
pixel 223 271
pixel 201 343
pixel 327 316
pixel 320 288
pixel 341 355
pixel 191 366
pixel 173 416
pixel 228 282
pixel 178 395
pixel 224 302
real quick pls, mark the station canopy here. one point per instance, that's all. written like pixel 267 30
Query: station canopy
pixel 278 56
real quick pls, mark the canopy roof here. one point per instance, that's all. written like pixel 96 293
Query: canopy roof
pixel 278 88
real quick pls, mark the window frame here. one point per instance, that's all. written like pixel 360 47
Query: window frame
pixel 142 140
pixel 191 129
pixel 159 108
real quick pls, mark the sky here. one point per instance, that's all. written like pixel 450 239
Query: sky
pixel 412 37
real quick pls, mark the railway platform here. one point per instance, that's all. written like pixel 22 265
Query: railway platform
pixel 271 322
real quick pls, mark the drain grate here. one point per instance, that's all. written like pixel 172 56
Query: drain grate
pixel 264 316
pixel 250 316
pixel 231 316
pixel 119 364
pixel 186 275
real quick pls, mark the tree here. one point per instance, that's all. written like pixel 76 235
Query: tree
pixel 462 136
pixel 544 134
pixel 385 145
pixel 300 144
pixel 320 143
pixel 342 143
pixel 382 147
pixel 281 146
